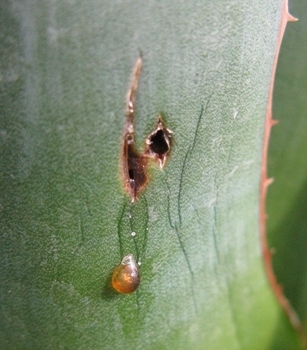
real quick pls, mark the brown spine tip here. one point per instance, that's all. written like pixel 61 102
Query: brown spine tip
pixel 274 122
pixel 268 181
pixel 290 18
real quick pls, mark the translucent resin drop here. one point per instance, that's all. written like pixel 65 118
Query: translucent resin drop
pixel 126 277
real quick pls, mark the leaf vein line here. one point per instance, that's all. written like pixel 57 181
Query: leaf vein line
pixel 188 265
pixel 119 222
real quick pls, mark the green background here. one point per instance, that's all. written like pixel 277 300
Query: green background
pixel 65 221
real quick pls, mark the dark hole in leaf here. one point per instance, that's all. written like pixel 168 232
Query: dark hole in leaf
pixel 158 143
pixel 134 170
pixel 131 174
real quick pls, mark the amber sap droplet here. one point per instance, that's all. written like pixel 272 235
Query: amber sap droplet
pixel 126 277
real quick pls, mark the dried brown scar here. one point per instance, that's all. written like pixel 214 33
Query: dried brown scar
pixel 134 169
pixel 133 164
pixel 158 143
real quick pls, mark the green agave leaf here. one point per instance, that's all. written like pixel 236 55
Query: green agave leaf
pixel 287 164
pixel 65 220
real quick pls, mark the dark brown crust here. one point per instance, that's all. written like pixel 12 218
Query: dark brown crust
pixel 134 168
pixel 133 164
pixel 265 182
